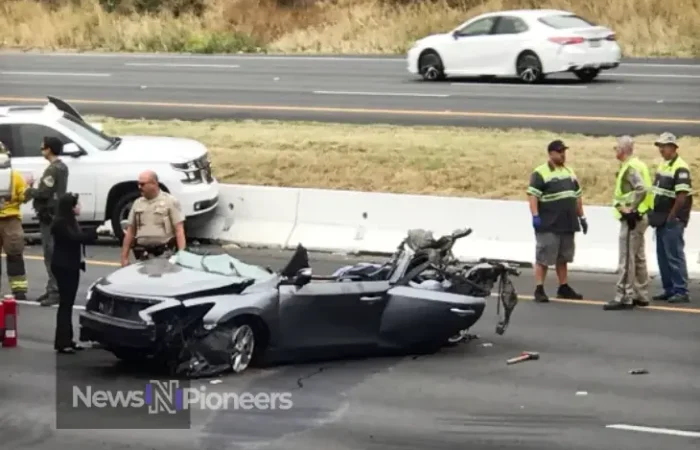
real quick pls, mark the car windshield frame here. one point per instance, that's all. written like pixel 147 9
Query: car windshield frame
pixel 552 21
pixel 96 138
pixel 220 264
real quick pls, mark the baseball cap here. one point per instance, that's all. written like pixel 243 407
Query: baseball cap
pixel 556 146
pixel 666 138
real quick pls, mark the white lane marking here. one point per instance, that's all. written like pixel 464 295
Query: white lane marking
pixel 400 59
pixel 649 75
pixel 527 86
pixel 58 74
pixel 381 94
pixel 693 66
pixel 653 430
pixel 31 303
pixel 212 66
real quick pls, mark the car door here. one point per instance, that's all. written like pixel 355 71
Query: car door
pixel 27 158
pixel 471 51
pixel 439 315
pixel 332 315
pixel 508 36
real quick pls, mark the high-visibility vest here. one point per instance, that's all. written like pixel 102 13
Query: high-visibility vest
pixel 626 199
pixel 665 186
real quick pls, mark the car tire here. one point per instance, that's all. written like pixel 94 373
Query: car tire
pixel 121 212
pixel 430 66
pixel 587 75
pixel 242 350
pixel 529 68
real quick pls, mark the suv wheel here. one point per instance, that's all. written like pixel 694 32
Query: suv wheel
pixel 121 212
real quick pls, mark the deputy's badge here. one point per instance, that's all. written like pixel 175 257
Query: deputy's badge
pixel 49 181
pixel 683 175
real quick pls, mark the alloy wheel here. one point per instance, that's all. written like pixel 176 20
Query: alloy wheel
pixel 243 345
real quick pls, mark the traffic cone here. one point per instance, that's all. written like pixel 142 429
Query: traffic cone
pixel 9 315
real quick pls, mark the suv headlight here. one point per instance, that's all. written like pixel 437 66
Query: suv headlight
pixel 191 169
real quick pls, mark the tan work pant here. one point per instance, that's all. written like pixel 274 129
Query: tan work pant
pixel 12 242
pixel 634 278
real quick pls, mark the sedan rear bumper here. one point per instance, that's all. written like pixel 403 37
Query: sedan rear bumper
pixel 569 58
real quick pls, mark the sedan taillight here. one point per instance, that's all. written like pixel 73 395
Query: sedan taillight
pixel 567 40
pixel 612 37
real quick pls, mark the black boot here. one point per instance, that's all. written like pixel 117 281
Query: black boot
pixel 540 296
pixel 617 306
pixel 566 292
pixel 661 297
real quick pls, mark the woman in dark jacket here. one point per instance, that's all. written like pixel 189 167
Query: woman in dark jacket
pixel 66 263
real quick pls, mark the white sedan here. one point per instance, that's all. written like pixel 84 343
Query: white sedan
pixel 528 44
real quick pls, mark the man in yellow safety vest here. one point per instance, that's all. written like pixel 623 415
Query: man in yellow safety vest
pixel 673 201
pixel 631 203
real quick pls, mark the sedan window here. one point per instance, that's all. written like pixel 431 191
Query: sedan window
pixel 561 22
pixel 478 28
pixel 510 25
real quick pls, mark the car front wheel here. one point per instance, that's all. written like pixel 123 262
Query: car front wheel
pixel 121 212
pixel 430 66
pixel 242 347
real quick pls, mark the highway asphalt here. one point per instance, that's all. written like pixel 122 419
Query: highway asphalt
pixel 648 96
pixel 578 396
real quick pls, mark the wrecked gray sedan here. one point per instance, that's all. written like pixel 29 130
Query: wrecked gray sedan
pixel 203 314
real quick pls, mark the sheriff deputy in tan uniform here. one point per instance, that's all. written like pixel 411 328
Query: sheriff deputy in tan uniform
pixel 156 225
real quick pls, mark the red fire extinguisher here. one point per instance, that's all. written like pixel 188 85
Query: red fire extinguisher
pixel 9 315
pixel 2 321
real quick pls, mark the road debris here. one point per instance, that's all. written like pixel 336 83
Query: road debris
pixel 638 372
pixel 524 356
pixel 581 393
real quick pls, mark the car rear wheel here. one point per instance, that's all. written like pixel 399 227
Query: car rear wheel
pixel 430 66
pixel 242 347
pixel 529 68
pixel 587 75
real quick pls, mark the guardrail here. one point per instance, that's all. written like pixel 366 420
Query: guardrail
pixel 357 222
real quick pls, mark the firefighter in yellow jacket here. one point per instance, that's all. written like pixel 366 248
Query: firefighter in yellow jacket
pixel 11 234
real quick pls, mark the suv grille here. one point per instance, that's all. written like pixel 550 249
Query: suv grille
pixel 204 166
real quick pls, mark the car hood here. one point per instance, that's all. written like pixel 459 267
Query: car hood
pixel 433 39
pixel 160 148
pixel 160 278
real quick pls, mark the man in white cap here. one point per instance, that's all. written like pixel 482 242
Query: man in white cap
pixel 670 215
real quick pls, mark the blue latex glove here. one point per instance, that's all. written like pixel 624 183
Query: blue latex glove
pixel 584 224
pixel 536 222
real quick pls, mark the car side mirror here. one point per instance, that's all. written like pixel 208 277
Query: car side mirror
pixel 303 277
pixel 71 149
pixel 455 35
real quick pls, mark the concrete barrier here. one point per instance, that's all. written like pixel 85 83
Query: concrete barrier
pixel 354 222
pixel 258 216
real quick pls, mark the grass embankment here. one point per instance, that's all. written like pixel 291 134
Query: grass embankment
pixel 644 27
pixel 427 160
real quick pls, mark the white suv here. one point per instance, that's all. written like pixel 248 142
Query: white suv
pixel 103 169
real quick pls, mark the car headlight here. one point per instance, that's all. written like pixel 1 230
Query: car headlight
pixel 91 288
